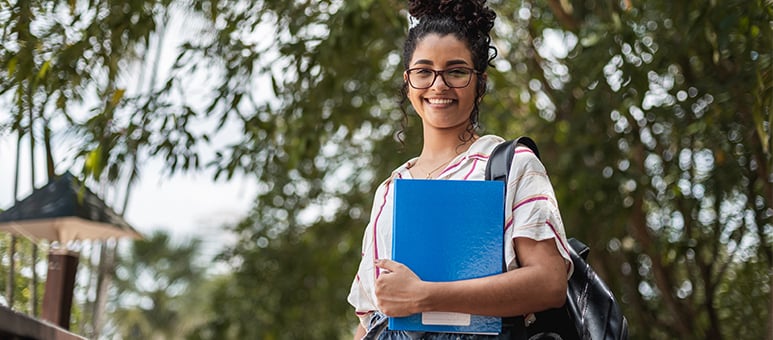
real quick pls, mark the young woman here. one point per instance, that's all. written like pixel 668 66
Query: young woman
pixel 446 55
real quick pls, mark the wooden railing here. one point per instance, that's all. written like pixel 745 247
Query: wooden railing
pixel 15 325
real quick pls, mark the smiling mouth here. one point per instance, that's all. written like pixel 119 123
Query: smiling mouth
pixel 439 101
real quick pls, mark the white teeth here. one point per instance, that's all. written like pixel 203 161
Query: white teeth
pixel 439 101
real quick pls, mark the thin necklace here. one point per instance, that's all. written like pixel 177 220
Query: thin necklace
pixel 429 174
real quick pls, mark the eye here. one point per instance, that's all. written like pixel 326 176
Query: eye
pixel 458 72
pixel 422 72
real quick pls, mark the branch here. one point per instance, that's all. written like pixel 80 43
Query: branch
pixel 50 168
pixel 563 15
pixel 663 281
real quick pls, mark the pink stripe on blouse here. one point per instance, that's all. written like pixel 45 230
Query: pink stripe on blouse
pixel 474 165
pixel 560 241
pixel 375 226
pixel 476 157
pixel 523 149
pixel 529 200
pixel 520 204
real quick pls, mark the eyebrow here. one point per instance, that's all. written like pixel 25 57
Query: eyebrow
pixel 449 63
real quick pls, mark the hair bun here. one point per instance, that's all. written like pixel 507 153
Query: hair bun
pixel 473 14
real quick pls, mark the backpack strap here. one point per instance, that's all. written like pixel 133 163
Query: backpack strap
pixel 501 158
pixel 499 163
pixel 590 311
pixel 497 169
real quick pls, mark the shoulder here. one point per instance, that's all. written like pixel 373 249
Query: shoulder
pixel 485 145
pixel 524 158
pixel 399 172
pixel 527 171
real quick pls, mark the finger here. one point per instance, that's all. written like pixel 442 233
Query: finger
pixel 388 265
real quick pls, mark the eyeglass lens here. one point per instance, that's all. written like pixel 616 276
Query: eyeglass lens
pixel 422 78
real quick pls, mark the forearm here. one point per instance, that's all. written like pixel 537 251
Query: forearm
pixel 538 285
pixel 360 332
pixel 518 292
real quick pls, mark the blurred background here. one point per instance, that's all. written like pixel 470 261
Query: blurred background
pixel 244 140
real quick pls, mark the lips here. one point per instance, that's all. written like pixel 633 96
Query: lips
pixel 440 101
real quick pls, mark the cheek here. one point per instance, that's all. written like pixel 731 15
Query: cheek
pixel 415 97
pixel 469 99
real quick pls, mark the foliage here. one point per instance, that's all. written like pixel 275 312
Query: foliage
pixel 247 305
pixel 153 283
pixel 22 283
pixel 661 114
pixel 315 154
pixel 653 119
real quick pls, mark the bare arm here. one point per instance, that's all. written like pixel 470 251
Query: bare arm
pixel 360 332
pixel 539 284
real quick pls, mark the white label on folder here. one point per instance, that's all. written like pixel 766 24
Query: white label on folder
pixel 445 318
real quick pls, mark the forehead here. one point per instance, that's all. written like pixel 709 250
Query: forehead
pixel 439 50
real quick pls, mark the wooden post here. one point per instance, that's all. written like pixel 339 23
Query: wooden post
pixel 60 282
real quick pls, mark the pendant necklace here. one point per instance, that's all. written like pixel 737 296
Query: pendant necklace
pixel 429 174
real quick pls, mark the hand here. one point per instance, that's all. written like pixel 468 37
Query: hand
pixel 398 289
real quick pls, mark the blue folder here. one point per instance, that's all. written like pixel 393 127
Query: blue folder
pixel 448 230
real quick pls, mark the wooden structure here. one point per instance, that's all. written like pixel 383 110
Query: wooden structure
pixel 19 326
pixel 62 211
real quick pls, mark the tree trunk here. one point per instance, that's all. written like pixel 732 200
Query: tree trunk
pixel 104 279
pixel 34 280
pixel 770 310
pixel 682 324
pixel 88 306
pixel 9 285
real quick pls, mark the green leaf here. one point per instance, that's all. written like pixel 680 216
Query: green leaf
pixel 94 163
pixel 117 96
pixel 44 70
pixel 12 64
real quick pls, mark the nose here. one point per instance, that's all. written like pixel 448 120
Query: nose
pixel 440 82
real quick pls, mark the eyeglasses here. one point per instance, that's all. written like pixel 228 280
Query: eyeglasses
pixel 423 78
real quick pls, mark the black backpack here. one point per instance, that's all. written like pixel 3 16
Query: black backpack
pixel 590 311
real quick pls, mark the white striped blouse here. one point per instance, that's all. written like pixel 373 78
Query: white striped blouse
pixel 534 213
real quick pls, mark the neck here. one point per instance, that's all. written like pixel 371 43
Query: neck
pixel 440 145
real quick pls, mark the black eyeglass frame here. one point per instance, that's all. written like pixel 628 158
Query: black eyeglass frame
pixel 440 73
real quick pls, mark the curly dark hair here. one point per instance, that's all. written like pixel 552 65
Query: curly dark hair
pixel 470 21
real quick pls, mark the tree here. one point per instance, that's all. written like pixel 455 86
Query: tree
pixel 653 119
pixel 153 280
pixel 315 157
pixel 628 119
pixel 658 135
pixel 54 56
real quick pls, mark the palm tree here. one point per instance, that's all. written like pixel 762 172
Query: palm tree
pixel 153 281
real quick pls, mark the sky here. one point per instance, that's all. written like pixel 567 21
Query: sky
pixel 184 205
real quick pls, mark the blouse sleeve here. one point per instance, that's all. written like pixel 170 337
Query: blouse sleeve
pixel 361 295
pixel 533 210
